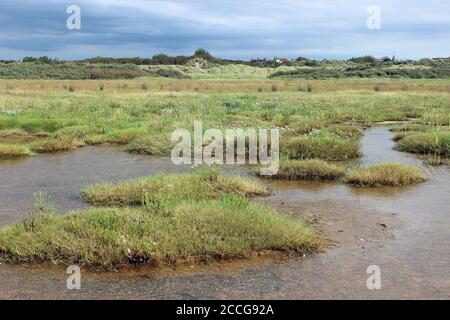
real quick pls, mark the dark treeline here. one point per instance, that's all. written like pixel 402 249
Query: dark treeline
pixel 302 67
pixel 159 59
pixel 164 59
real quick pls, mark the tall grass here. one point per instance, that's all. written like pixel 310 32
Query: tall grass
pixel 51 145
pixel 435 142
pixel 112 238
pixel 155 146
pixel 205 184
pixel 126 114
pixel 13 151
pixel 308 170
pixel 324 146
pixel 384 174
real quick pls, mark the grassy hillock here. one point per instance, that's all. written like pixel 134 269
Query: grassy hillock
pixel 384 174
pixel 69 71
pixel 196 217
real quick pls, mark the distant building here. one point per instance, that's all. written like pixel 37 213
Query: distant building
pixel 258 61
pixel 263 61
pixel 282 60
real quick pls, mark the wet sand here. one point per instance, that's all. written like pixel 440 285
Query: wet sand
pixel 405 231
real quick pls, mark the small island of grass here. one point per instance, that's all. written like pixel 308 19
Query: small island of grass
pixel 384 174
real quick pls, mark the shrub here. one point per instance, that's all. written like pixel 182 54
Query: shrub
pixel 171 74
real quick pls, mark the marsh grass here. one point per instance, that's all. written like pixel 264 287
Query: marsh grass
pixel 400 135
pixel 204 184
pixel 308 170
pixel 14 133
pixel 95 139
pixel 56 144
pixel 324 146
pixel 124 136
pixel 437 117
pixel 112 238
pixel 78 132
pixel 14 151
pixel 433 161
pixel 384 174
pixel 434 142
pixel 155 146
pixel 119 116
pixel 411 127
pixel 30 124
pixel 344 130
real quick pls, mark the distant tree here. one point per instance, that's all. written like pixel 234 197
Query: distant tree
pixel 167 60
pixel 43 60
pixel 29 59
pixel 364 59
pixel 180 60
pixel 161 59
pixel 311 63
pixel 202 53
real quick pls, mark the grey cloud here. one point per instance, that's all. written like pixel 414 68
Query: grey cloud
pixel 229 28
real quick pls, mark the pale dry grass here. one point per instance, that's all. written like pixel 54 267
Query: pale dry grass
pixel 384 174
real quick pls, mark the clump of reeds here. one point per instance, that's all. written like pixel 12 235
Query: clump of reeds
pixel 384 174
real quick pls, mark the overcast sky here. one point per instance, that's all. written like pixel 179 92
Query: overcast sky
pixel 227 28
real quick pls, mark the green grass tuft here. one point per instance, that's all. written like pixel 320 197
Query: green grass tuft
pixel 56 144
pixel 154 146
pixel 308 170
pixel 205 184
pixel 435 142
pixel 433 161
pixel 124 136
pixel 323 146
pixel 78 132
pixel 111 238
pixel 14 151
pixel 384 174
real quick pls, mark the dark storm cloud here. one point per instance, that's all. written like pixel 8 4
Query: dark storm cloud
pixel 230 28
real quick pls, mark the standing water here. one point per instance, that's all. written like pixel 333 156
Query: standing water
pixel 404 231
